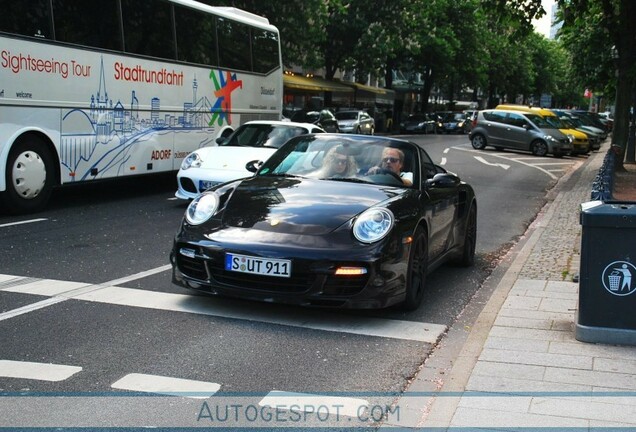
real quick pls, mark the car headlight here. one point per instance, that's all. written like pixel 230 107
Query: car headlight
pixel 193 160
pixel 202 208
pixel 571 138
pixel 373 225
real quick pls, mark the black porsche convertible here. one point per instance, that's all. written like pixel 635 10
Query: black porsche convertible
pixel 324 222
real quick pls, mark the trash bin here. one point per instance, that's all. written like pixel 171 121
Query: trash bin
pixel 607 280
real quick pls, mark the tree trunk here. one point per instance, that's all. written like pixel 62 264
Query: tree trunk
pixel 630 151
pixel 621 112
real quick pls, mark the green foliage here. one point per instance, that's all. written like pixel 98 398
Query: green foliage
pixel 458 44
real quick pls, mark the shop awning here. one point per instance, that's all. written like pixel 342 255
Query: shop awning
pixel 314 84
pixel 376 94
pixel 376 90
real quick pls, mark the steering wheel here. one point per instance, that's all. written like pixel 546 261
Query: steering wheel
pixel 390 173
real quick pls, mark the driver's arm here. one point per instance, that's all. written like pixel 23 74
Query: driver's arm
pixel 407 178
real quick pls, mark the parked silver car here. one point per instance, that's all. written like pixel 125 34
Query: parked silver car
pixel 520 131
pixel 355 121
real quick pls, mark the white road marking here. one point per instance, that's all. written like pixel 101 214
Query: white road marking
pixel 23 222
pixel 512 159
pixel 139 275
pixel 350 407
pixel 443 162
pixel 485 162
pixel 37 371
pixel 304 318
pixel 167 386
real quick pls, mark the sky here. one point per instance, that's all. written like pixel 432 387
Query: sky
pixel 543 25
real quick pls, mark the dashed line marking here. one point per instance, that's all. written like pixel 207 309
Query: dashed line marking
pixel 37 371
pixel 167 386
pixel 23 222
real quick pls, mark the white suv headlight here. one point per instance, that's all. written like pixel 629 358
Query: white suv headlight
pixel 373 225
pixel 193 160
pixel 202 208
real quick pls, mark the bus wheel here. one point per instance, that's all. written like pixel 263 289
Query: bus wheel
pixel 29 176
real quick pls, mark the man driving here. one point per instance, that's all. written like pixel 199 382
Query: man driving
pixel 393 160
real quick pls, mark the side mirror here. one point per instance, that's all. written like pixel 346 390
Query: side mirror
pixel 443 180
pixel 221 140
pixel 253 165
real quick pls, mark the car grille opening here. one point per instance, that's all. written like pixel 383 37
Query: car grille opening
pixel 192 267
pixel 344 285
pixel 188 185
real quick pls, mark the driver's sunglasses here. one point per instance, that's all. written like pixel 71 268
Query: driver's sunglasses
pixel 341 161
pixel 391 160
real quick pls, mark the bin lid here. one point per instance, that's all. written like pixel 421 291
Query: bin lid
pixel 611 214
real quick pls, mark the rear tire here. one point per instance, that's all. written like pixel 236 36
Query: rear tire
pixel 479 141
pixel 30 176
pixel 417 270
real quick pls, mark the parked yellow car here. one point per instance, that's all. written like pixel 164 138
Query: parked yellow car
pixel 580 141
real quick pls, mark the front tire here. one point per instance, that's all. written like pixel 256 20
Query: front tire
pixel 478 141
pixel 539 148
pixel 30 176
pixel 417 270
pixel 467 258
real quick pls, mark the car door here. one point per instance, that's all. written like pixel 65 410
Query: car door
pixel 494 125
pixel 442 204
pixel 516 135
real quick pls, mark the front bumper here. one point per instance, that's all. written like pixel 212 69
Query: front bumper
pixel 313 281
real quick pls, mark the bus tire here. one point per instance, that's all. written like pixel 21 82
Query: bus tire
pixel 30 176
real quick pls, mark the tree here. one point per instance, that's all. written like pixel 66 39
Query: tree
pixel 615 19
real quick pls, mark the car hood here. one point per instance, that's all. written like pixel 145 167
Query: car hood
pixel 232 158
pixel 299 205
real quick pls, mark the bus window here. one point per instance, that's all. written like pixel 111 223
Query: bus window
pixel 196 36
pixel 32 18
pixel 265 50
pixel 148 28
pixel 234 45
pixel 93 23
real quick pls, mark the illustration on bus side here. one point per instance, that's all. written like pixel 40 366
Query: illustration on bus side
pixel 114 137
pixel 617 278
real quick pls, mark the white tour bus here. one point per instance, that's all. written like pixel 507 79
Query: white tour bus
pixel 96 89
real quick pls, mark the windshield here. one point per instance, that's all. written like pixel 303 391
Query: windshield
pixel 263 135
pixel 540 122
pixel 347 115
pixel 556 122
pixel 329 157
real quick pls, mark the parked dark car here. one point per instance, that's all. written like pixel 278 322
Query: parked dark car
pixel 455 123
pixel 323 118
pixel 418 123
pixel 297 233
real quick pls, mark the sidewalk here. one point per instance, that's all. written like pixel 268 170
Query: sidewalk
pixel 520 365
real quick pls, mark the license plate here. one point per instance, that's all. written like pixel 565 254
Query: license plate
pixel 255 265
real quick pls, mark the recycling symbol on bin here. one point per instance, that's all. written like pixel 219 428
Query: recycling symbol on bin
pixel 617 278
